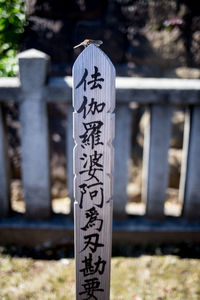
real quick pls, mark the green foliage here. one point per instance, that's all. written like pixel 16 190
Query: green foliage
pixel 12 21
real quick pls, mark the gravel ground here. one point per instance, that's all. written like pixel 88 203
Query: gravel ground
pixel 151 273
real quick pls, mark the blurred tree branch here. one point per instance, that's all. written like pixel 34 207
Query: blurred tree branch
pixel 12 21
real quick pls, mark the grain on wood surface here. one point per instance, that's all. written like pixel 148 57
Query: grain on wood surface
pixel 94 103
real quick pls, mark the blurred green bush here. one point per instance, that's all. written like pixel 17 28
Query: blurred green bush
pixel 12 21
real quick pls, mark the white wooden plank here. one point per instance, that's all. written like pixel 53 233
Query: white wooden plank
pixel 94 102
pixel 190 187
pixel 155 162
pixel 34 126
pixel 69 148
pixel 4 169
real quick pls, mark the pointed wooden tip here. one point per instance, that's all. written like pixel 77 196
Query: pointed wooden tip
pixel 92 52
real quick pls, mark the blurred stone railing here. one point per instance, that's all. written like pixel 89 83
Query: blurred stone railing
pixel 33 90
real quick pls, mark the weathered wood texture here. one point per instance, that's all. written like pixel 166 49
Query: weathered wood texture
pixel 4 169
pixel 94 102
pixel 34 138
pixel 69 155
pixel 190 186
pixel 155 161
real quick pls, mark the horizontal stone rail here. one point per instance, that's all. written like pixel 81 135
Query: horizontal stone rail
pixel 128 89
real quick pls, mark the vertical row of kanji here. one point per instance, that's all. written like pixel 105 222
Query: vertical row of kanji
pixel 94 103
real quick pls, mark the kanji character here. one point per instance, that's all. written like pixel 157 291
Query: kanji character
pixel 91 134
pixel 95 82
pixel 92 216
pixel 92 242
pixel 94 107
pixel 90 268
pixel 90 287
pixel 83 80
pixel 94 165
pixel 93 193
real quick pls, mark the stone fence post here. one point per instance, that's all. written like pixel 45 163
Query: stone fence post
pixel 33 66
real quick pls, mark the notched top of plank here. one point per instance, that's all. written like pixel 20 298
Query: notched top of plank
pixel 90 51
